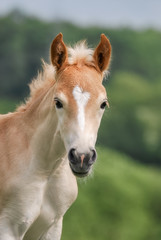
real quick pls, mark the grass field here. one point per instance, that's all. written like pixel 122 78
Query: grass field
pixel 120 201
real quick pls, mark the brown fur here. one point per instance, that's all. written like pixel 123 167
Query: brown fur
pixel 34 169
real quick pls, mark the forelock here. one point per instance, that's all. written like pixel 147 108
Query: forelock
pixel 80 54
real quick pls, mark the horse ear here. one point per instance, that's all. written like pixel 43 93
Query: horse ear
pixel 58 51
pixel 102 53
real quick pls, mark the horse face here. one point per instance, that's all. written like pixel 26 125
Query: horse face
pixel 80 99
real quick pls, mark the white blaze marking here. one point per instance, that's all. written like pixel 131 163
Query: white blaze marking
pixel 81 99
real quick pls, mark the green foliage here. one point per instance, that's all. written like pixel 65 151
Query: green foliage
pixel 121 201
pixel 7 105
pixel 24 41
pixel 133 123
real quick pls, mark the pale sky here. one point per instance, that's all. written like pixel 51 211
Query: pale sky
pixel 115 13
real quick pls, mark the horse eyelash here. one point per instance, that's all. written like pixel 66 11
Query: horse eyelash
pixel 107 103
pixel 58 103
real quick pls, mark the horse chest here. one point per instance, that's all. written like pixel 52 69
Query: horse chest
pixel 34 201
pixel 22 207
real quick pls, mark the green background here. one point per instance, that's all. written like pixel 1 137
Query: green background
pixel 122 198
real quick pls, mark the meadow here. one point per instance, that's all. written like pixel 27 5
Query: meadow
pixel 120 200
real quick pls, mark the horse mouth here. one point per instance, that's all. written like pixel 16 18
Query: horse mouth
pixel 79 174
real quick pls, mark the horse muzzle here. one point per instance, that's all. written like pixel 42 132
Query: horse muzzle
pixel 81 163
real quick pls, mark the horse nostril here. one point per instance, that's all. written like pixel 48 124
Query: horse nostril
pixel 72 155
pixel 94 155
pixel 82 159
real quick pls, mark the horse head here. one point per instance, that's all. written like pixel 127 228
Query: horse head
pixel 80 98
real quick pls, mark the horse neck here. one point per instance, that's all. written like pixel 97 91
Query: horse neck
pixel 46 144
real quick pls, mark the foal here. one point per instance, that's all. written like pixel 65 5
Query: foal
pixel 51 139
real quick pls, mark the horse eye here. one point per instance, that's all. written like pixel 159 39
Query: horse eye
pixel 58 104
pixel 103 105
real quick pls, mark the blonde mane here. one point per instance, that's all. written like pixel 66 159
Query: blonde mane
pixel 80 54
